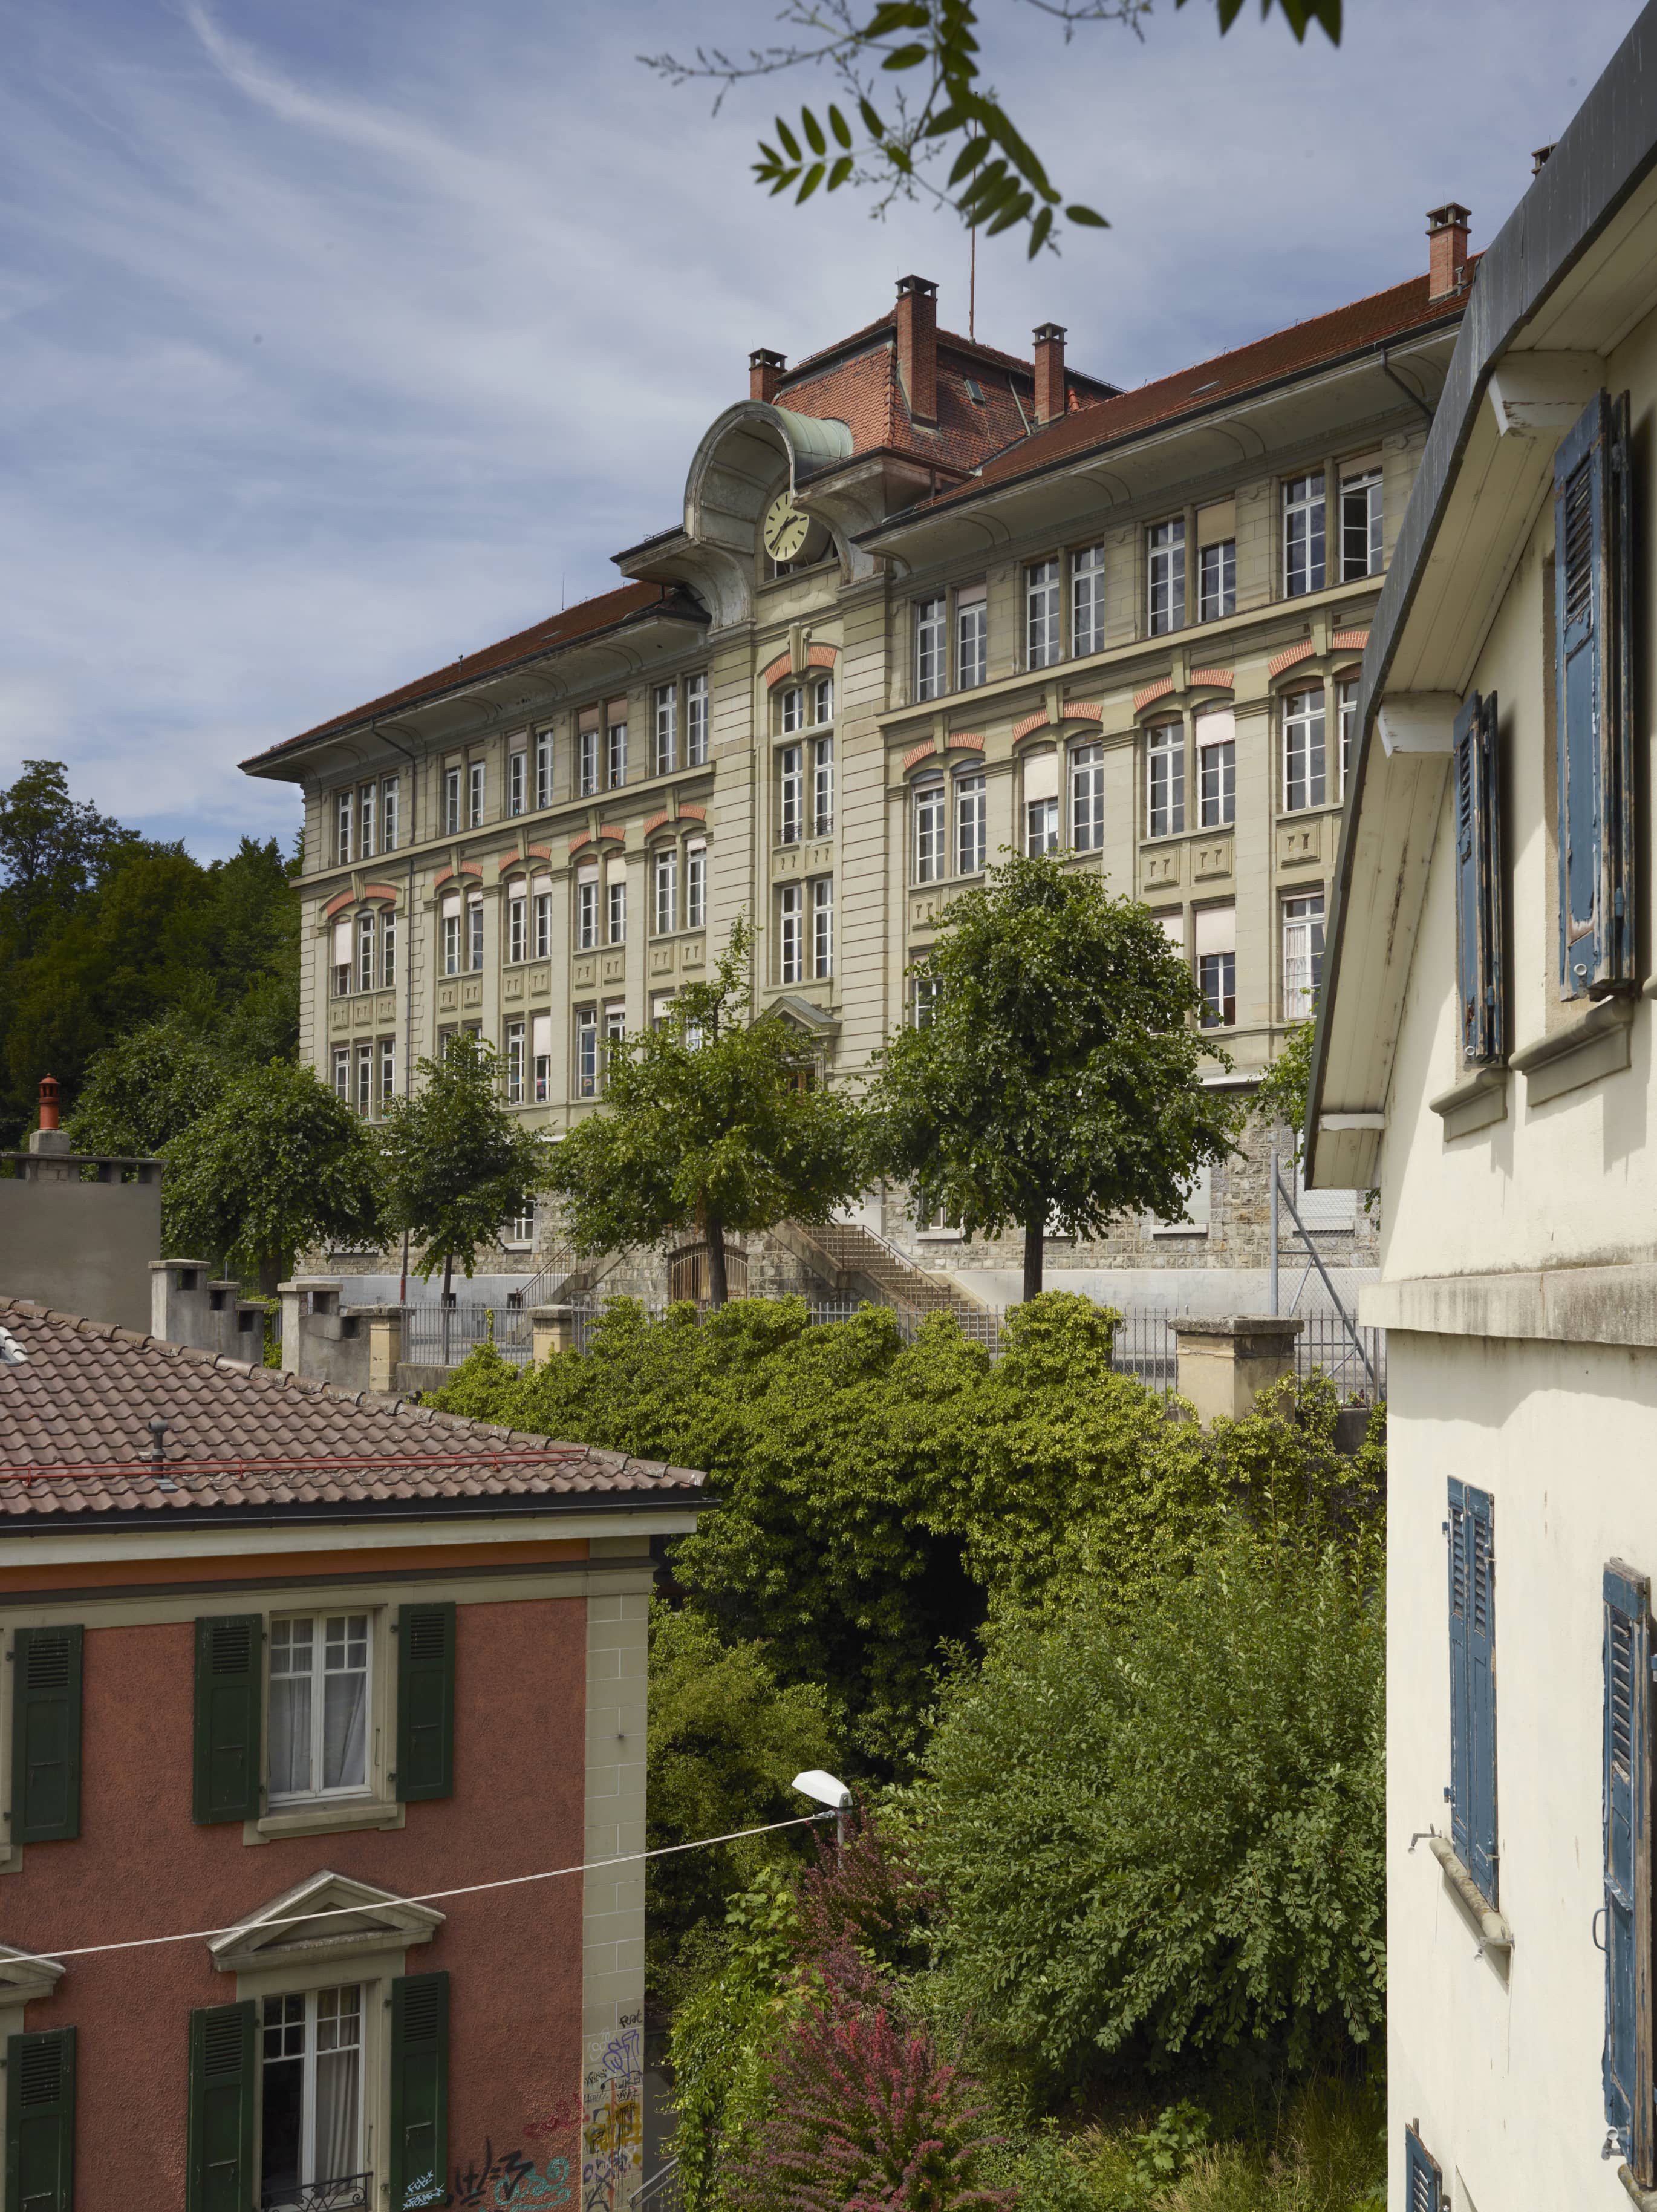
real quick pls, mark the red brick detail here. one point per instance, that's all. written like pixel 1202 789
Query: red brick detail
pixel 918 753
pixel 576 843
pixel 779 671
pixel 1220 679
pixel 611 830
pixel 1349 641
pixel 1049 372
pixel 821 656
pixel 454 875
pixel 1289 657
pixel 1147 692
pixel 654 823
pixel 1081 710
pixel 963 741
pixel 382 890
pixel 696 813
pixel 1035 722
pixel 340 899
pixel 917 346
pixel 539 852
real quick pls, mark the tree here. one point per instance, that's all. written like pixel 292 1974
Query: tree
pixel 1057 1082
pixel 1284 1086
pixel 278 1163
pixel 457 1164
pixel 53 849
pixel 145 1090
pixel 998 180
pixel 712 1120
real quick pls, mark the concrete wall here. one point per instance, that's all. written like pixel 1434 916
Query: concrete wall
pixel 82 1248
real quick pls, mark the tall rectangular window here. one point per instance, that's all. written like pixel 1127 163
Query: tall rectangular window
pixel 543 923
pixel 475 796
pixel 586 1051
pixel 343 806
pixel 696 886
pixel 931 681
pixel 389 828
pixel 972 636
pixel 387 951
pixel 319 1706
pixel 387 1072
pixel 695 721
pixel 516 782
pixel 615 1029
pixel 365 1080
pixel 1041 644
pixel 791 933
pixel 343 956
pixel 343 1072
pixel 618 910
pixel 1165 779
pixel 822 787
pixel 586 760
pixel 310 2092
pixel 616 756
pixel 541 1055
pixel 1472 1683
pixel 475 931
pixel 1217 964
pixel 1087 797
pixel 929 832
pixel 515 1063
pixel 665 730
pixel 542 767
pixel 365 951
pixel 1216 581
pixel 1304 783
pixel 516 924
pixel 791 794
pixel 1041 802
pixel 793 707
pixel 822 927
pixel 366 824
pixel 1347 697
pixel 1360 524
pixel 1302 535
pixel 971 824
pixel 1165 576
pixel 823 699
pixel 587 910
pixel 450 936
pixel 923 1003
pixel 1087 600
pixel 1302 954
pixel 452 822
pixel 1217 769
pixel 667 891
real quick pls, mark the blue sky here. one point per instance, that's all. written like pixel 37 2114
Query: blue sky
pixel 335 341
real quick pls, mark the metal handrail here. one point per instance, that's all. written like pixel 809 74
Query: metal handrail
pixel 658 2180
pixel 345 2192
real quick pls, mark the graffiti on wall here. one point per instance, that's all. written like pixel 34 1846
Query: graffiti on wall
pixel 612 2122
pixel 514 2179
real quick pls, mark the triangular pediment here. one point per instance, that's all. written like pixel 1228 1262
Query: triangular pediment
pixel 332 1915
pixel 23 1976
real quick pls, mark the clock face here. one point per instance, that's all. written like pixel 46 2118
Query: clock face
pixel 786 529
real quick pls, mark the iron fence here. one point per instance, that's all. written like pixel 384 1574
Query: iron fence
pixel 441 1336
pixel 347 2193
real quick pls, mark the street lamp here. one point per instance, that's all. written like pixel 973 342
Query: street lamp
pixel 829 1791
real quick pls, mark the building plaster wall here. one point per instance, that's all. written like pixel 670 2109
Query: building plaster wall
pixel 82 1248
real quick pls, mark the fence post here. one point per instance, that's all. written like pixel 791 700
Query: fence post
pixel 1226 1363
pixel 552 1328
pixel 1274 1229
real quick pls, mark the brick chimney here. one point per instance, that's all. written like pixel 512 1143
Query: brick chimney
pixel 1447 250
pixel 1049 371
pixel 917 346
pixel 765 370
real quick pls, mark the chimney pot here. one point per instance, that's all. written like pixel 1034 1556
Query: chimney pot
pixel 1538 159
pixel 765 370
pixel 917 346
pixel 48 1102
pixel 1050 395
pixel 1447 250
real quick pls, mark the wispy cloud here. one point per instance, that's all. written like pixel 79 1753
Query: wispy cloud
pixel 333 344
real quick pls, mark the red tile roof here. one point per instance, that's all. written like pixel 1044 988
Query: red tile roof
pixel 75 1409
pixel 625 604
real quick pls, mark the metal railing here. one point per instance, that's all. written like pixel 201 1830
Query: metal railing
pixel 441 1336
pixel 662 2192
pixel 347 2193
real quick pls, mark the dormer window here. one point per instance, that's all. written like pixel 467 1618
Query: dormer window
pixel 974 392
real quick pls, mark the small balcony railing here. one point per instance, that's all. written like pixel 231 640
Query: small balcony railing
pixel 347 2192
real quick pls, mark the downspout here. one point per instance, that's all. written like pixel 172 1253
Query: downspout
pixel 1414 398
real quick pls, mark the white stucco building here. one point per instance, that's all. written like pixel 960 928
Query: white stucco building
pixel 1485 1054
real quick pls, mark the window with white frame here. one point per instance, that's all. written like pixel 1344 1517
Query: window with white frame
pixel 389 793
pixel 365 951
pixel 667 891
pixel 310 2094
pixel 792 707
pixel 661 1007
pixel 791 935
pixel 1041 643
pixel 343 1073
pixel 929 846
pixel 586 1051
pixel 822 927
pixel 387 1072
pixel 1360 520
pixel 1302 954
pixel 1042 802
pixel 923 1000
pixel 514 1057
pixel 935 1217
pixel 1217 964
pixel 541 1055
pixel 1303 780
pixel 1087 797
pixel 1165 576
pixel 518 1229
pixel 696 886
pixel 1165 779
pixel 342 957
pixel 615 1027
pixel 665 730
pixel 616 753
pixel 586 757
pixel 475 931
pixel 343 807
pixel 1217 579
pixel 791 794
pixel 823 699
pixel 972 636
pixel 542 767
pixel 517 781
pixel 517 923
pixel 1087 600
pixel 1216 768
pixel 451 935
pixel 319 1706
pixel 475 795
pixel 1346 697
pixel 543 917
pixel 931 680
pixel 586 909
pixel 366 823
pixel 615 907
pixel 971 824
pixel 365 1080
pixel 822 787
pixel 451 801
pixel 1302 535
pixel 696 720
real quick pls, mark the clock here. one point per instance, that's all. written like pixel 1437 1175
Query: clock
pixel 786 529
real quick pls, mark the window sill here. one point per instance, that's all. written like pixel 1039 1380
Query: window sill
pixel 1193 1230
pixel 1645 2198
pixel 1479 1099
pixel 1596 1043
pixel 339 1817
pixel 1493 1933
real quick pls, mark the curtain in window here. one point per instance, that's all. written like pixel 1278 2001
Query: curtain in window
pixel 339 2050
pixel 344 1731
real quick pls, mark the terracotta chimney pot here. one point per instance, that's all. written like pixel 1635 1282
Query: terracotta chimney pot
pixel 48 1102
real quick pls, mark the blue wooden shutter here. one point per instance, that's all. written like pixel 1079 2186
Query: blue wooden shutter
pixel 1627 2068
pixel 40 2121
pixel 219 2177
pixel 1479 881
pixel 420 2090
pixel 1460 1734
pixel 46 1739
pixel 1423 2184
pixel 1481 1689
pixel 1594 736
pixel 425 1700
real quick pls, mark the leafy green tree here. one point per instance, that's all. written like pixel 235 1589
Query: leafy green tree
pixel 926 53
pixel 712 1120
pixel 457 1164
pixel 278 1163
pixel 53 849
pixel 145 1090
pixel 1057 1083
pixel 1284 1086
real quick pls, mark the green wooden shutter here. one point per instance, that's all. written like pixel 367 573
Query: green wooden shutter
pixel 1423 2182
pixel 1594 692
pixel 1479 881
pixel 45 1737
pixel 41 2122
pixel 1627 2065
pixel 425 1700
pixel 420 2090
pixel 221 2124
pixel 229 1656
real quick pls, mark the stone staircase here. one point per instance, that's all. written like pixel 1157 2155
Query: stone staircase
pixel 860 1265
